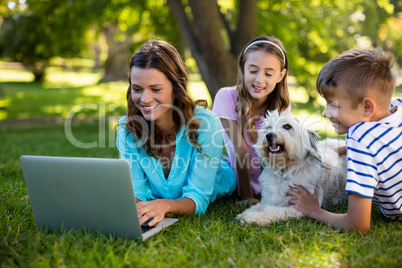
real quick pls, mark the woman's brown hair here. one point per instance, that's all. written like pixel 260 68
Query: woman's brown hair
pixel 164 57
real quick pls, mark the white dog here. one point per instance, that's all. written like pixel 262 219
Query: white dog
pixel 291 155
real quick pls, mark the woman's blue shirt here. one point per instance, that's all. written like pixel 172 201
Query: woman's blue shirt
pixel 200 177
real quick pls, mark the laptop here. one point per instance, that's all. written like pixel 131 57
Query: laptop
pixel 92 194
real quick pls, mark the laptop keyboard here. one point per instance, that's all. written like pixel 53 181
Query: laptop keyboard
pixel 145 227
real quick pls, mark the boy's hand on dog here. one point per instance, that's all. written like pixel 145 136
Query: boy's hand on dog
pixel 341 150
pixel 302 200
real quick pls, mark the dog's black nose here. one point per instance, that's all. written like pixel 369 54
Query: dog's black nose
pixel 270 136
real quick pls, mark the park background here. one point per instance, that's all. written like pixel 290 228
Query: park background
pixel 66 61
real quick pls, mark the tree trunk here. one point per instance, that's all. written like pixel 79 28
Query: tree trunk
pixel 246 26
pixel 203 35
pixel 116 65
pixel 38 70
pixel 220 62
pixel 96 50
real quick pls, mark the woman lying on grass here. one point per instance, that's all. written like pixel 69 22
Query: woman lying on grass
pixel 173 145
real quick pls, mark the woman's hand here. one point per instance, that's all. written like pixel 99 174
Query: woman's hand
pixel 155 210
pixel 158 209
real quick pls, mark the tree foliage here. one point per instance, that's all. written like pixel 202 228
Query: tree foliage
pixel 127 25
pixel 314 31
pixel 35 31
pixel 214 40
pixel 214 31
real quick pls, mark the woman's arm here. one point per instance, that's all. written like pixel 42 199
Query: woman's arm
pixel 159 208
pixel 242 160
pixel 128 150
pixel 356 219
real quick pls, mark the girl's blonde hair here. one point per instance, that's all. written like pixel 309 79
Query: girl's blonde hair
pixel 277 99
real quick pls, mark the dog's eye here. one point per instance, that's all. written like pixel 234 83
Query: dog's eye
pixel 287 126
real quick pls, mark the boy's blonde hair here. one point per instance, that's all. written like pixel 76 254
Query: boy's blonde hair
pixel 359 72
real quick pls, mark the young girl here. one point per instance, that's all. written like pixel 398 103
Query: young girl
pixel 262 87
pixel 168 140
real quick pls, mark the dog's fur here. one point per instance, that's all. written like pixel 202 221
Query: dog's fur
pixel 291 155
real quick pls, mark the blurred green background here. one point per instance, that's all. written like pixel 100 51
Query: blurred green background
pixel 58 57
pixel 68 59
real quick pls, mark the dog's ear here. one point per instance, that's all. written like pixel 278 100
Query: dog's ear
pixel 313 149
pixel 313 138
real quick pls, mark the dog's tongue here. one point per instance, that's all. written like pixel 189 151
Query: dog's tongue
pixel 274 149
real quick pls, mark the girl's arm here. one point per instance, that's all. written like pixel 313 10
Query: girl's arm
pixel 242 160
pixel 356 219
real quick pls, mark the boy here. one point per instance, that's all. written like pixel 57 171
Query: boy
pixel 358 86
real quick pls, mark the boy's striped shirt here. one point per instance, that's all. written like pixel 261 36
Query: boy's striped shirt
pixel 375 161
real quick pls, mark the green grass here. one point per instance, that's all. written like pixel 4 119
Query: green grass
pixel 215 239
